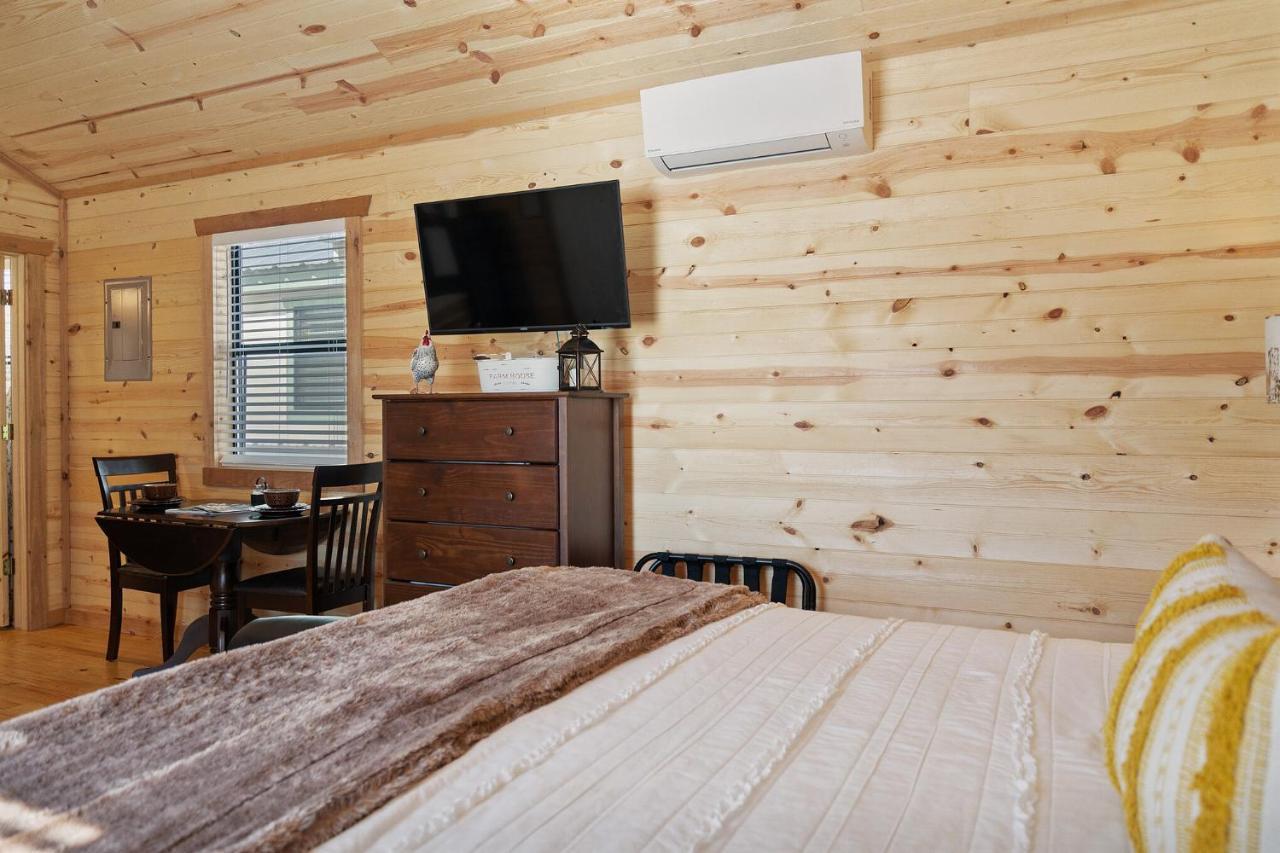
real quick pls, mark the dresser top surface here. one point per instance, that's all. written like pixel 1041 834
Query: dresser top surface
pixel 512 395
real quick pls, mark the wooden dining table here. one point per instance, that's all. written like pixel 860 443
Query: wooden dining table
pixel 177 543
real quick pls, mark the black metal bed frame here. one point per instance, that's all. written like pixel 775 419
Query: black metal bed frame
pixel 722 572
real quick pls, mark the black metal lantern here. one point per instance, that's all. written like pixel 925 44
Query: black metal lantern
pixel 580 368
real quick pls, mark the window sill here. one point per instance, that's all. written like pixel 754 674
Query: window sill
pixel 244 477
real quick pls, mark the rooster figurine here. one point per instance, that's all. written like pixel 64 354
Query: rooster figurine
pixel 425 363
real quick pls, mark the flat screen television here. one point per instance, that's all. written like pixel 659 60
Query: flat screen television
pixel 539 260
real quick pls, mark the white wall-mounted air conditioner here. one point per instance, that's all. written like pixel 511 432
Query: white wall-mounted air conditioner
pixel 807 108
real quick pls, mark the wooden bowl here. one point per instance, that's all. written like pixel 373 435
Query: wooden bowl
pixel 160 491
pixel 281 498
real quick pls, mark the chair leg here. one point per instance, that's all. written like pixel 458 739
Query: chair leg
pixel 368 599
pixel 117 614
pixel 168 620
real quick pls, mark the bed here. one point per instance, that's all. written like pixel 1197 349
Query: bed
pixel 727 723
pixel 789 730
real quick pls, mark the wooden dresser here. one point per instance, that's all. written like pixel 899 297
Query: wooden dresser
pixel 480 483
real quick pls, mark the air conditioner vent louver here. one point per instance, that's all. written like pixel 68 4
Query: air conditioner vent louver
pixel 796 146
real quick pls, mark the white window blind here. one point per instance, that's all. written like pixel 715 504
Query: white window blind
pixel 280 372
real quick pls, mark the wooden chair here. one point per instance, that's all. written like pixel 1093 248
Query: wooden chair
pixel 340 572
pixel 128 574
pixel 749 569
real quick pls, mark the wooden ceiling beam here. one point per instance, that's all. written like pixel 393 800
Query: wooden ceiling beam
pixel 198 98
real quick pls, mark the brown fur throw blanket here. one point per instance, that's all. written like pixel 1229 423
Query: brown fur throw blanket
pixel 281 746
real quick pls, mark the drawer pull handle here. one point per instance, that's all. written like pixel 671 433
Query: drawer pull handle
pixel 510 431
pixel 511 561
pixel 510 496
pixel 422 491
pixel 422 554
pixel 422 430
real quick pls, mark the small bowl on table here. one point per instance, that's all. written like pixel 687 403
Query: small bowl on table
pixel 281 498
pixel 156 492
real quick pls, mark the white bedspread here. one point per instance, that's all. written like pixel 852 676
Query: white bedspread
pixel 785 730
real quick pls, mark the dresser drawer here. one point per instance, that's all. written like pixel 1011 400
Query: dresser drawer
pixel 507 495
pixel 450 553
pixel 472 431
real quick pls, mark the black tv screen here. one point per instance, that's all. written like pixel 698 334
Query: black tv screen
pixel 536 260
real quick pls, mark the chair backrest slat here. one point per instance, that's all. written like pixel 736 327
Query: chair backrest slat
pixel 358 534
pixel 348 546
pixel 337 542
pixel 780 573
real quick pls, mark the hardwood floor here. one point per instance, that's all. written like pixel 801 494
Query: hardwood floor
pixel 39 668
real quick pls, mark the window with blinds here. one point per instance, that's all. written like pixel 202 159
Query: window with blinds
pixel 280 372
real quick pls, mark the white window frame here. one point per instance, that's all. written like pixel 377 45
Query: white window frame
pixel 221 459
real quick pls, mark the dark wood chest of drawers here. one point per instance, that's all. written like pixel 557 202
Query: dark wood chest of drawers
pixel 481 483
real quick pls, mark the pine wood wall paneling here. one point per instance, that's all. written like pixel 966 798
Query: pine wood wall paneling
pixel 992 377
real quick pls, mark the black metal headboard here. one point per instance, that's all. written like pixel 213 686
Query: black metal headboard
pixel 722 572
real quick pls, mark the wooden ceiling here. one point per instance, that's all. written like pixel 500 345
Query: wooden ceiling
pixel 106 94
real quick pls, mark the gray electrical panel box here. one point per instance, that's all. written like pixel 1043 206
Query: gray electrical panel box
pixel 127 337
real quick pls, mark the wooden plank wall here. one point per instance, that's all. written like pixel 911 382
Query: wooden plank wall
pixel 28 210
pixel 997 372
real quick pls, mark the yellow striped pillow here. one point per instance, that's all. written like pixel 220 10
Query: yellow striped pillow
pixel 1193 717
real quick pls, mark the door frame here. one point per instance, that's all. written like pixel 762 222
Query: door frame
pixel 15 264
pixel 30 453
